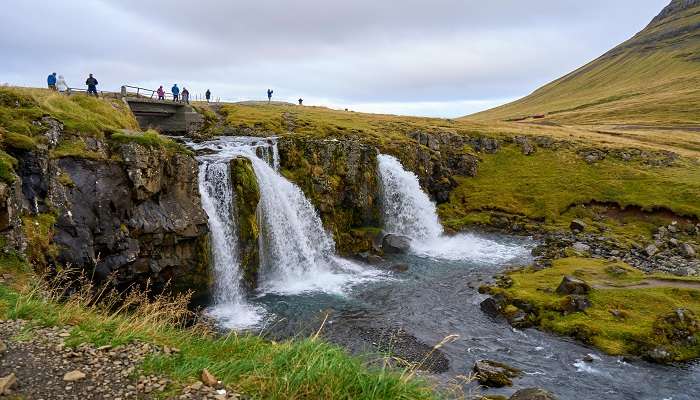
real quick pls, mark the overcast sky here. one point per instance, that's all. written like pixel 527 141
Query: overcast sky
pixel 418 57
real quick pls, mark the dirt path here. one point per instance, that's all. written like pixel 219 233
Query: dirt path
pixel 45 368
pixel 654 283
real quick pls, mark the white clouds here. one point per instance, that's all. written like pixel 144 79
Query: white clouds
pixel 413 55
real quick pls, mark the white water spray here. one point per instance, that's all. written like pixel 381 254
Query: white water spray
pixel 408 211
pixel 218 202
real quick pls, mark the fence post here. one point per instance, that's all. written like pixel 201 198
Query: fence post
pixel 123 91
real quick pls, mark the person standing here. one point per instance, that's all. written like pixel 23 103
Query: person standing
pixel 301 101
pixel 176 92
pixel 161 93
pixel 185 95
pixel 269 95
pixel 207 94
pixel 91 83
pixel 61 85
pixel 51 81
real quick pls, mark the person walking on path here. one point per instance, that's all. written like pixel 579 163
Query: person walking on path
pixel 91 83
pixel 51 81
pixel 161 93
pixel 185 95
pixel 207 95
pixel 269 95
pixel 61 85
pixel 176 92
pixel 301 101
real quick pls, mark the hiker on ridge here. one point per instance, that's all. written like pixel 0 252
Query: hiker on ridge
pixel 269 95
pixel 91 83
pixel 51 81
pixel 176 92
pixel 301 101
pixel 185 95
pixel 207 95
pixel 161 93
pixel 62 86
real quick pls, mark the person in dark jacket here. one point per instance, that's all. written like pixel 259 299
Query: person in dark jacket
pixel 207 95
pixel 176 92
pixel 91 83
pixel 185 95
pixel 51 81
pixel 301 101
pixel 269 95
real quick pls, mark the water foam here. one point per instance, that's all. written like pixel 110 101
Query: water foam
pixel 408 211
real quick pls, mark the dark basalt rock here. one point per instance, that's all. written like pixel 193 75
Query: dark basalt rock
pixel 495 374
pixel 575 303
pixel 133 216
pixel 571 285
pixel 533 394
pixel 396 244
pixel 577 225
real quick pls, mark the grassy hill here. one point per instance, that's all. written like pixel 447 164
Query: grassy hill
pixel 650 81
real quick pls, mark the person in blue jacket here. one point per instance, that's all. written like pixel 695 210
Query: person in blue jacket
pixel 269 95
pixel 176 92
pixel 51 80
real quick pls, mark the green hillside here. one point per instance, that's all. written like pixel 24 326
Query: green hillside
pixel 653 79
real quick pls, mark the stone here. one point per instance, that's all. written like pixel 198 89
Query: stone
pixel 3 347
pixel 678 327
pixel 208 378
pixel 6 383
pixel 533 394
pixel 687 251
pixel 494 374
pixel 491 307
pixel 73 376
pixel 570 285
pixel 577 226
pixel 576 303
pixel 396 244
pixel 399 267
pixel 651 250
pixel 581 247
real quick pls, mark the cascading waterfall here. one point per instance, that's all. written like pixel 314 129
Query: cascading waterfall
pixel 218 202
pixel 296 254
pixel 408 211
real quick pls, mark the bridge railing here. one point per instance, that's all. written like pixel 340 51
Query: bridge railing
pixel 136 91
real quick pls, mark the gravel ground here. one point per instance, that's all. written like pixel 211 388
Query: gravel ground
pixel 45 368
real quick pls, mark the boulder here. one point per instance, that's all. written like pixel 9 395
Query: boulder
pixel 687 251
pixel 492 307
pixel 678 326
pixel 495 374
pixel 575 303
pixel 570 285
pixel 581 247
pixel 577 225
pixel 396 244
pixel 533 394
pixel 651 250
pixel 6 383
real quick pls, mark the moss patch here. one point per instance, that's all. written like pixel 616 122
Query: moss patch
pixel 247 193
pixel 622 319
pixel 150 139
pixel 38 229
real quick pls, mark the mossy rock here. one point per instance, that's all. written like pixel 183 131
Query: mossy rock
pixel 247 192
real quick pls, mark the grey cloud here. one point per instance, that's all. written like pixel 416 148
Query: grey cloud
pixel 349 52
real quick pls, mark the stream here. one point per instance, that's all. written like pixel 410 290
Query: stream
pixel 305 288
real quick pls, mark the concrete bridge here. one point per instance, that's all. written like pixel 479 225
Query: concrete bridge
pixel 167 116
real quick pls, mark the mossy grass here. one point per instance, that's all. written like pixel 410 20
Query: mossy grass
pixel 544 186
pixel 622 318
pixel 151 139
pixel 249 364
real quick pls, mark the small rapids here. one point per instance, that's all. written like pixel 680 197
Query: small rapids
pixel 408 211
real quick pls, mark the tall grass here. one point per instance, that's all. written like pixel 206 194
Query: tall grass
pixel 306 368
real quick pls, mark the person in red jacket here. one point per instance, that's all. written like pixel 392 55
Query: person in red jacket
pixel 161 93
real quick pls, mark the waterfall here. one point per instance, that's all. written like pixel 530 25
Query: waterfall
pixel 297 255
pixel 408 211
pixel 218 202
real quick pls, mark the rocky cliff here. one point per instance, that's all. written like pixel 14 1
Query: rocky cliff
pixel 121 210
